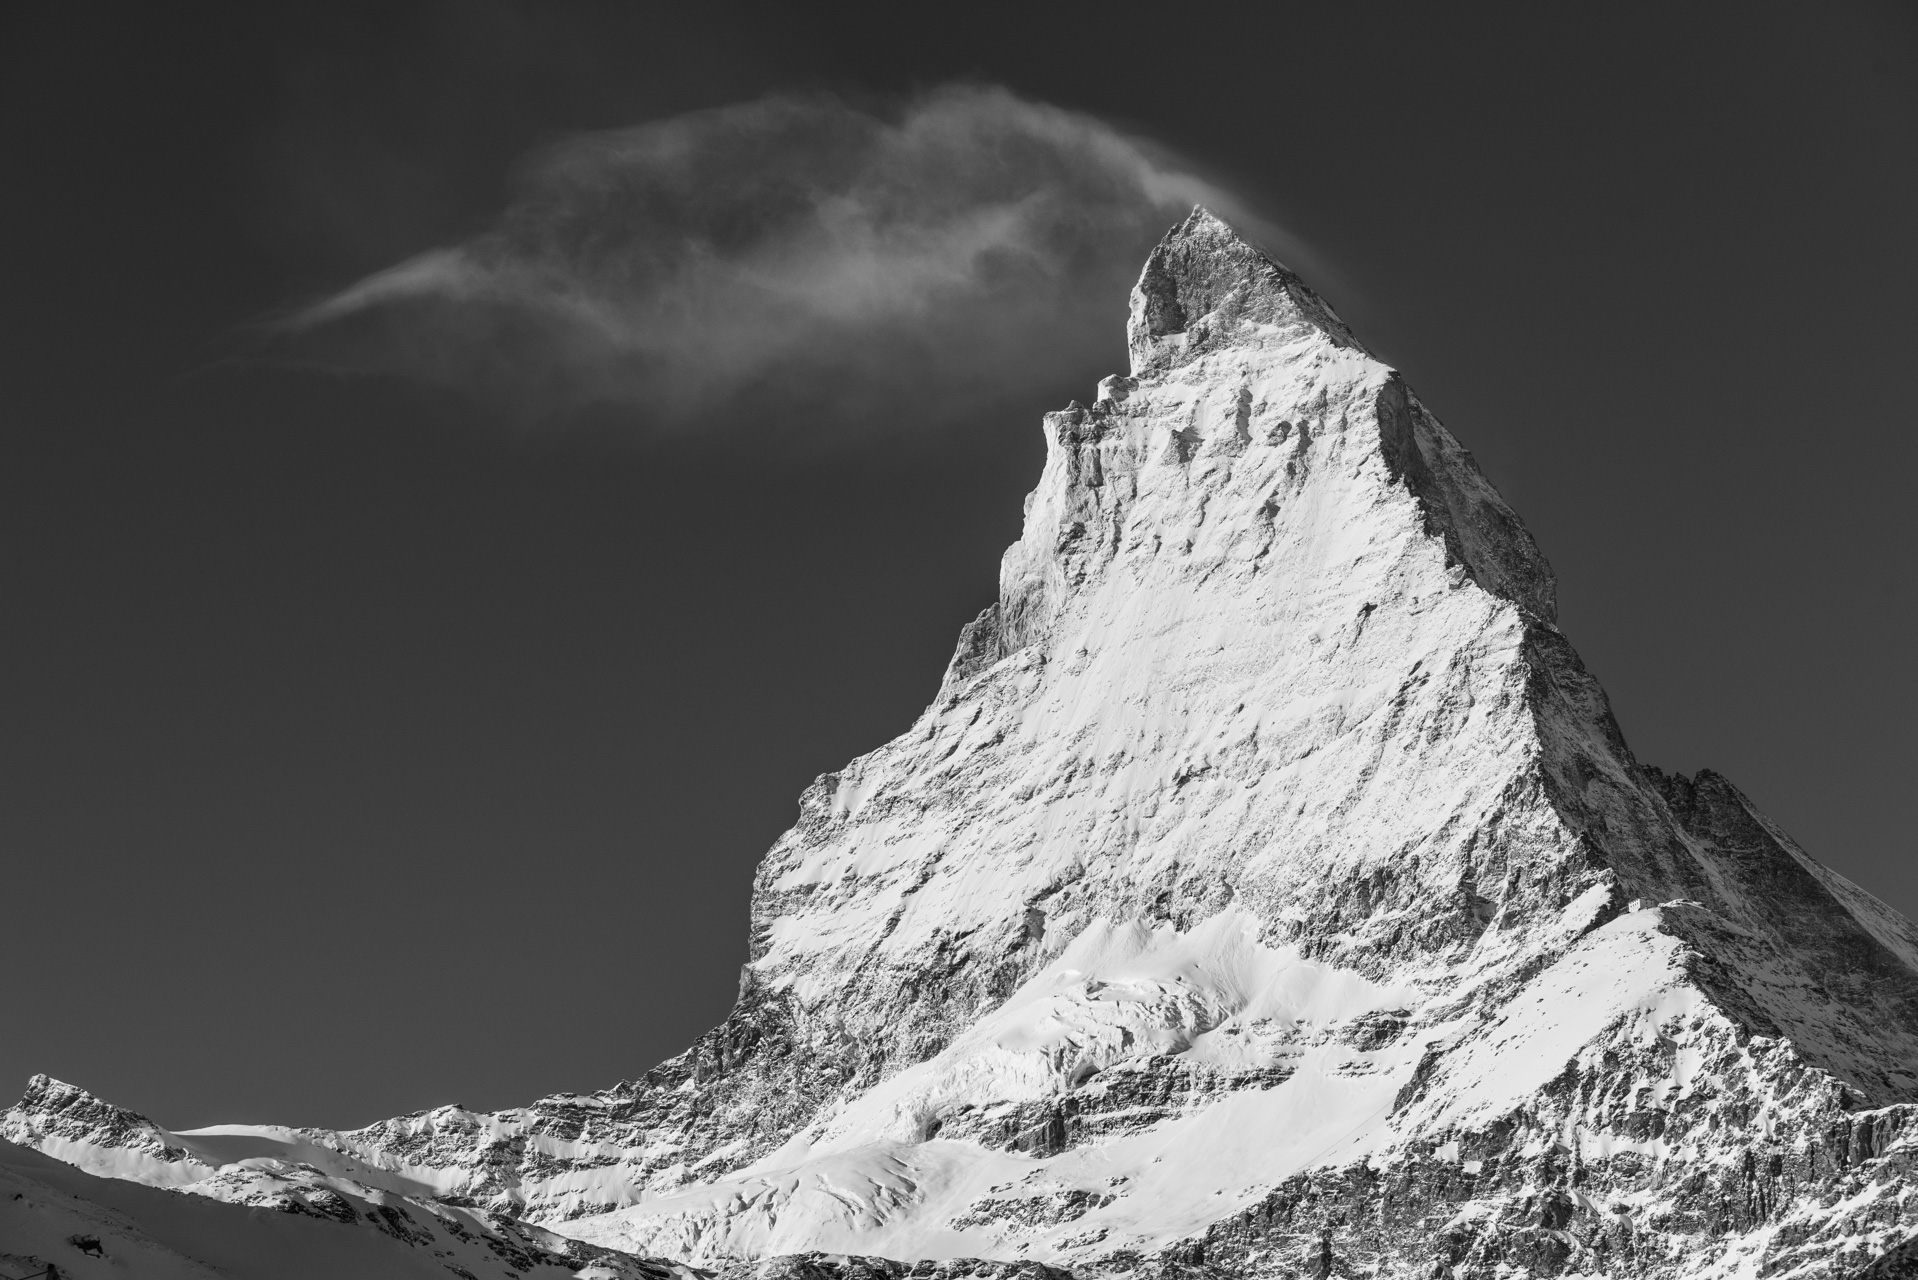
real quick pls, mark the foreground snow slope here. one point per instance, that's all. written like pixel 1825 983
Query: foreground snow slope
pixel 1267 890
pixel 103 1228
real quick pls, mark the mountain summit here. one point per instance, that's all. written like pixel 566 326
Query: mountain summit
pixel 1205 286
pixel 1267 892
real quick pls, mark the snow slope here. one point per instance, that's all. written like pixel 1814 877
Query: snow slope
pixel 1268 889
pixel 105 1228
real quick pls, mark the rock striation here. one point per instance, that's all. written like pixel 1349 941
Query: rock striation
pixel 1268 891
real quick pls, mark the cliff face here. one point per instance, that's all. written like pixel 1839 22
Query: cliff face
pixel 1267 891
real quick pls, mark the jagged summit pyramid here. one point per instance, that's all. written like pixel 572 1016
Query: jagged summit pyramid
pixel 1267 892
pixel 1205 287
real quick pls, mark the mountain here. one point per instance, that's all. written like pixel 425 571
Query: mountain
pixel 1268 891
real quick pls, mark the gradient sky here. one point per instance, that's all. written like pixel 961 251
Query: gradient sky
pixel 364 749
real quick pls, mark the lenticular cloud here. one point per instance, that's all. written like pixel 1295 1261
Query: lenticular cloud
pixel 796 255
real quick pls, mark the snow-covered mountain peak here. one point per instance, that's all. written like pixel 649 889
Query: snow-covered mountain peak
pixel 1205 287
pixel 1251 419
pixel 63 1113
pixel 1268 891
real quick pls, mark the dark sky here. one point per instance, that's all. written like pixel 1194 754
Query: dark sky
pixel 366 749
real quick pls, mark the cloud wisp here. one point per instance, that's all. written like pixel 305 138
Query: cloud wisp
pixel 793 258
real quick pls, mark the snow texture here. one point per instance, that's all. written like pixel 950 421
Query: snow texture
pixel 1267 892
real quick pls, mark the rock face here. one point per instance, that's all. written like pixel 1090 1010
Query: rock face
pixel 1268 892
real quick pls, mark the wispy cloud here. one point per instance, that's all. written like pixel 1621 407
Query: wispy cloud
pixel 793 256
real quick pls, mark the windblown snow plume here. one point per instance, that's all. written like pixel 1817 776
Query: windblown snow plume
pixel 799 256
